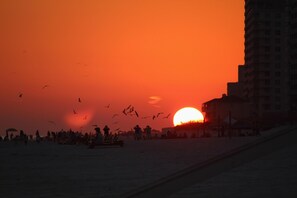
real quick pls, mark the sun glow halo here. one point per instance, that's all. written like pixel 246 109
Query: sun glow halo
pixel 186 115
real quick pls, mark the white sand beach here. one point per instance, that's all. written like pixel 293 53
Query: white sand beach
pixel 52 170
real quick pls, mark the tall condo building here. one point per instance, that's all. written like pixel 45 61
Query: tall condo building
pixel 293 59
pixel 268 78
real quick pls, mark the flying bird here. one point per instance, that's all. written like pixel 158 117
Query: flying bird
pixel 107 106
pixel 124 112
pixel 74 112
pixel 45 86
pixel 79 100
pixel 136 114
pixel 115 115
pixel 159 114
pixel 167 116
pixel 20 95
pixel 154 117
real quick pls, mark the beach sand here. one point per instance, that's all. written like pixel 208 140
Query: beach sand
pixel 52 170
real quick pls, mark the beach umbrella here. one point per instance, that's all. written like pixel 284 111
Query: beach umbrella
pixel 11 130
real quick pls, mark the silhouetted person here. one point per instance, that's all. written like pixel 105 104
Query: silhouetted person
pixel 137 130
pixel 106 131
pixel 11 136
pixel 168 134
pixel 98 137
pixel 37 136
pixel 148 132
pixel 6 139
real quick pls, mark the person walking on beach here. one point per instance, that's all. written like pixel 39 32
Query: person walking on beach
pixel 37 136
pixel 106 131
pixel 137 130
pixel 148 131
pixel 98 137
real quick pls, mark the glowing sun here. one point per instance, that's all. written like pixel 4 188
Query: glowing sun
pixel 186 115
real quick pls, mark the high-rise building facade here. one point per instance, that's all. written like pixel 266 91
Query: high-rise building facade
pixel 269 74
pixel 293 59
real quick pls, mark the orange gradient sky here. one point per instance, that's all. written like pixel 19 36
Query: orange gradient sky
pixel 182 52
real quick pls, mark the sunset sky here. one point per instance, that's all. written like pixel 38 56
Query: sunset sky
pixel 156 55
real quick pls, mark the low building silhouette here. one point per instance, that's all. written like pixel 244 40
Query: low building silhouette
pixel 226 110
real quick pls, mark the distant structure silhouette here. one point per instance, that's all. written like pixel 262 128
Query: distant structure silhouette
pixel 268 78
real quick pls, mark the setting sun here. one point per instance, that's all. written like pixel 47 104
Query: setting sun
pixel 186 115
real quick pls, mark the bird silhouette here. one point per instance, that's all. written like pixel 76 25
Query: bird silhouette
pixel 45 86
pixel 124 112
pixel 115 115
pixel 154 117
pixel 129 107
pixel 20 95
pixel 136 114
pixel 74 112
pixel 167 116
pixel 79 100
pixel 107 106
pixel 159 114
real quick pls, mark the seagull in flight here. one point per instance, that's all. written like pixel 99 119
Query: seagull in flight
pixel 45 86
pixel 167 116
pixel 159 114
pixel 107 106
pixel 136 113
pixel 115 115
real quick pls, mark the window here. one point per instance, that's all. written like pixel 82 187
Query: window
pixel 278 107
pixel 266 106
pixel 266 48
pixel 277 90
pixel 267 73
pixel 267 32
pixel 266 82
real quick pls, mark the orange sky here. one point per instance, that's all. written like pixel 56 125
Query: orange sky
pixel 113 52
